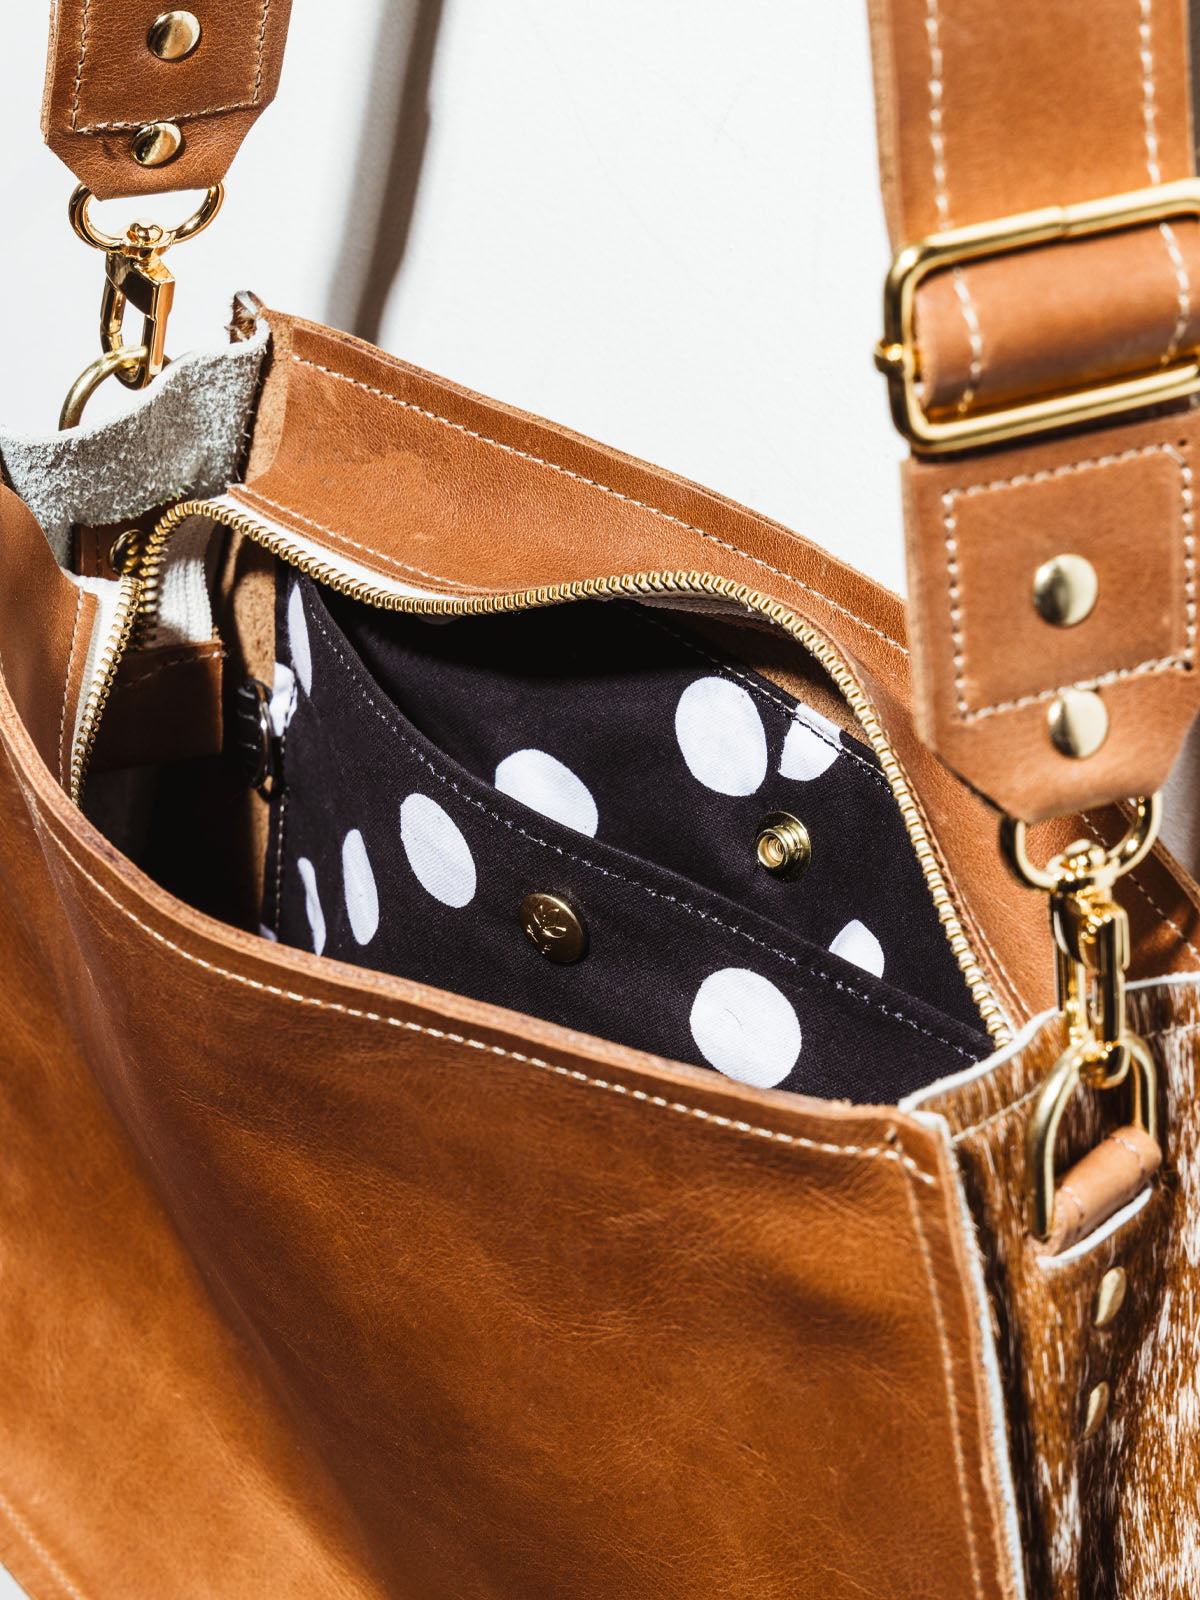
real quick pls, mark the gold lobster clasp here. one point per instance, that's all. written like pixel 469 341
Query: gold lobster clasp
pixel 1092 953
pixel 134 275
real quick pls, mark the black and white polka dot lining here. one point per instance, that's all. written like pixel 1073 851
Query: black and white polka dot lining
pixel 435 777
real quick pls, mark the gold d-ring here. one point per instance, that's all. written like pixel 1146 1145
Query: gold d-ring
pixel 90 379
pixel 81 199
pixel 1122 858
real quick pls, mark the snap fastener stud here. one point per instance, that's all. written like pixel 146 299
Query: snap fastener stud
pixel 783 846
pixel 554 928
pixel 156 144
pixel 1110 1296
pixel 1078 723
pixel 1097 1409
pixel 174 35
pixel 124 551
pixel 1065 590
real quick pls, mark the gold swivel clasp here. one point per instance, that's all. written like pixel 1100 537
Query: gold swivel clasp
pixel 1092 953
pixel 134 275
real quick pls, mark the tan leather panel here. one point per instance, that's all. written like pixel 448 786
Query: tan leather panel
pixel 103 83
pixel 988 666
pixel 1108 1177
pixel 557 1316
pixel 983 114
pixel 985 111
pixel 45 629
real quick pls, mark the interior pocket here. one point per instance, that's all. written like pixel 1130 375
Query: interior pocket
pixel 558 811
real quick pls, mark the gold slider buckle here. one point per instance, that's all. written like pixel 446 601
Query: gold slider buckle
pixel 1092 950
pixel 897 356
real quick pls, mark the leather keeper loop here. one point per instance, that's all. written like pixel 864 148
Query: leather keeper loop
pixel 107 91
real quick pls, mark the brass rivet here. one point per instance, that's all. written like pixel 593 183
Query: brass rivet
pixel 156 144
pixel 174 35
pixel 1097 1409
pixel 783 846
pixel 1078 723
pixel 1110 1296
pixel 554 927
pixel 1065 590
pixel 125 550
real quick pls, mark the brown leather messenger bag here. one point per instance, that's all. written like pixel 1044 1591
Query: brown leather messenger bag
pixel 645 1089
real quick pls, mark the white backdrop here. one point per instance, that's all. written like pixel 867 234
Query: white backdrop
pixel 655 221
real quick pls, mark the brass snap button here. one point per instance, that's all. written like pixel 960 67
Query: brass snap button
pixel 555 928
pixel 1065 590
pixel 1078 723
pixel 783 847
pixel 156 144
pixel 174 35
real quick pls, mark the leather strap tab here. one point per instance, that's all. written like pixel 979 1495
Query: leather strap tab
pixel 105 84
pixel 984 114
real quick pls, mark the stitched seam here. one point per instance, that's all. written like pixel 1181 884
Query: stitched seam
pixel 204 111
pixel 262 39
pixel 1154 169
pixel 62 720
pixel 1131 1150
pixel 24 1531
pixel 728 670
pixel 937 142
pixel 592 483
pixel 283 794
pixel 214 654
pixel 392 721
pixel 343 538
pixel 951 1399
pixel 87 6
pixel 777 1136
pixel 1024 479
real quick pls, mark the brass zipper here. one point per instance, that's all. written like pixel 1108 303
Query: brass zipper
pixel 97 696
pixel 145 593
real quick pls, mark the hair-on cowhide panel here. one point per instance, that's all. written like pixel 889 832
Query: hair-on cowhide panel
pixel 1116 1516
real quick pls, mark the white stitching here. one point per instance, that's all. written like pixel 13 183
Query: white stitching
pixel 728 669
pixel 62 721
pixel 971 318
pixel 1153 167
pixel 342 538
pixel 888 1153
pixel 24 1530
pixel 396 725
pixel 87 5
pixel 951 1399
pixel 1021 480
pixel 937 141
pixel 204 111
pixel 592 483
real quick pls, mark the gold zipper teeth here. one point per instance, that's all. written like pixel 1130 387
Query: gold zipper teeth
pixel 636 585
pixel 97 698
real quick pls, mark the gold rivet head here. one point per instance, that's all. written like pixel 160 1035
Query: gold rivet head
pixel 1110 1296
pixel 554 928
pixel 1078 723
pixel 783 847
pixel 174 35
pixel 156 144
pixel 1065 590
pixel 1097 1409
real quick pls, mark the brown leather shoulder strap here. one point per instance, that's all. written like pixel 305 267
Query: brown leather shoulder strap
pixel 140 99
pixel 985 112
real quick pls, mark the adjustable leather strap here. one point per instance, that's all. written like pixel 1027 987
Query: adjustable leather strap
pixel 984 112
pixel 140 99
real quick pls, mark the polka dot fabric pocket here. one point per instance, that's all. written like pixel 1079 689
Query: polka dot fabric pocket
pixel 562 812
